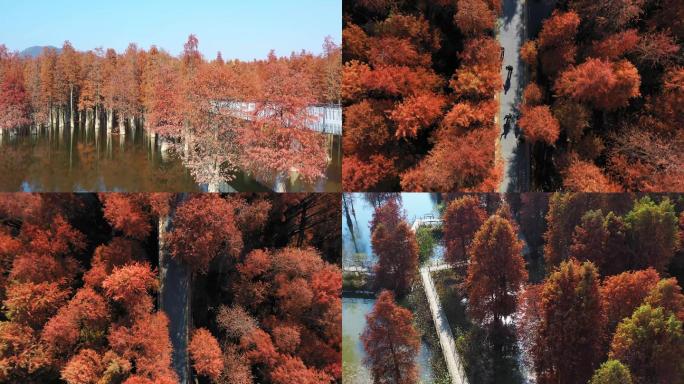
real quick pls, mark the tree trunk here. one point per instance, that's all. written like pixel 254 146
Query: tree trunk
pixel 97 117
pixel 71 106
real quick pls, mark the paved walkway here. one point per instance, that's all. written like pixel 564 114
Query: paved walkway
pixel 514 152
pixel 446 338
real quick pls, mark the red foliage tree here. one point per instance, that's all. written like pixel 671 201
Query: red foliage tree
pixel 495 272
pixel 568 345
pixel 396 248
pixel 556 42
pixel 622 294
pixel 147 344
pixel 292 369
pixel 205 354
pixel 33 304
pixel 129 285
pixel 616 45
pixel 128 214
pixel 539 124
pixel 84 368
pixel 390 341
pixel 608 86
pixel 462 219
pixel 21 355
pixel 474 17
pixel 461 163
pixel 583 176
pixel 415 113
pixel 211 219
pixel 14 102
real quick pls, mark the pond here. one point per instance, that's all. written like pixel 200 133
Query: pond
pixel 86 159
pixel 357 249
pixel 354 311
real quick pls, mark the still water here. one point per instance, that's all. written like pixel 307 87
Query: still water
pixel 83 159
pixel 357 249
pixel 354 311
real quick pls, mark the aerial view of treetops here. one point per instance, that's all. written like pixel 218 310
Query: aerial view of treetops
pixel 270 124
pixel 170 288
pixel 568 287
pixel 512 96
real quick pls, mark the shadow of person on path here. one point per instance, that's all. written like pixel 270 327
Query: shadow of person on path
pixel 507 84
pixel 506 126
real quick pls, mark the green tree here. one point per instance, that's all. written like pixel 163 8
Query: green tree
pixel 651 344
pixel 612 372
pixel 426 243
pixel 653 233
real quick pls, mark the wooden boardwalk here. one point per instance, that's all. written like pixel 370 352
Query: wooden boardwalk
pixel 446 338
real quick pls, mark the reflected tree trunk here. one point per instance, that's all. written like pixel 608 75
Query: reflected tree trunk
pixel 110 120
pixel 122 124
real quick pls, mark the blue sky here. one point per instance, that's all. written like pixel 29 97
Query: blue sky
pixel 243 29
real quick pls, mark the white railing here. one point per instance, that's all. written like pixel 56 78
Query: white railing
pixel 324 118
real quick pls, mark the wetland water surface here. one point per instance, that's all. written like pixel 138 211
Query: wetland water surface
pixel 80 159
pixel 354 311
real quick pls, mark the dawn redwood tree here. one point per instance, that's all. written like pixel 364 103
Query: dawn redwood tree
pixel 651 344
pixel 289 287
pixel 668 295
pixel 205 354
pixel 14 102
pixel 474 17
pixel 568 344
pixel 604 84
pixel 622 294
pixel 292 369
pixel 84 368
pixel 390 341
pixel 129 286
pixel 653 233
pixel 415 113
pixel 564 214
pixel 146 343
pixel 204 226
pixel 602 239
pixel 496 271
pixel 556 42
pixel 396 248
pixel 616 45
pixel 69 64
pixel 462 219
pixel 539 125
pixel 583 176
pixel 612 372
pixel 279 140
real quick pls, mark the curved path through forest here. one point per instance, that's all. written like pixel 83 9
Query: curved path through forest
pixel 446 338
pixel 514 151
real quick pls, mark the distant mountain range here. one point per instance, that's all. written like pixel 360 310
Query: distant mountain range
pixel 36 50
